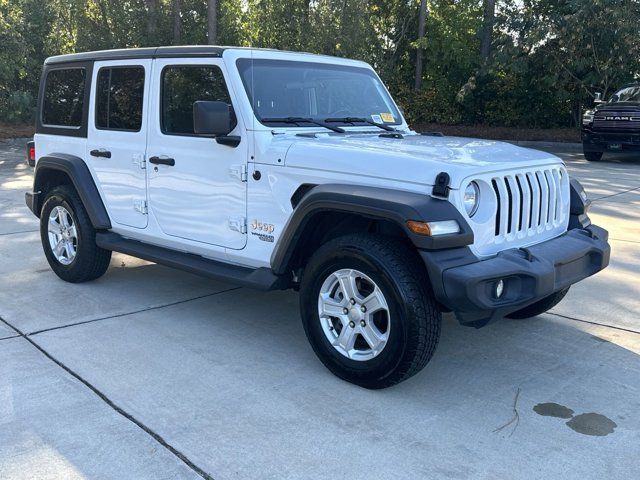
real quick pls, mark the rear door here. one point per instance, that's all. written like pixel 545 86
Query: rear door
pixel 117 137
pixel 199 192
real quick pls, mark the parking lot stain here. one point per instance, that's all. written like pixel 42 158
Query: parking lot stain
pixel 593 424
pixel 553 410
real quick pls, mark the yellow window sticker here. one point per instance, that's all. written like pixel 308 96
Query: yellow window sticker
pixel 387 117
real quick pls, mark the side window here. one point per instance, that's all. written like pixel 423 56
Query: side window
pixel 119 94
pixel 181 87
pixel 64 97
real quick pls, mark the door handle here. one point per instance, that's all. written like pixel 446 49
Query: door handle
pixel 100 153
pixel 162 161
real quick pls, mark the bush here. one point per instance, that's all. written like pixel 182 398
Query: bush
pixel 17 107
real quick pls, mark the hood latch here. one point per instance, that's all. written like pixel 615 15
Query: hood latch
pixel 441 186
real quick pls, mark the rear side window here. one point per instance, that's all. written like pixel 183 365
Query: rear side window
pixel 64 97
pixel 119 96
pixel 184 85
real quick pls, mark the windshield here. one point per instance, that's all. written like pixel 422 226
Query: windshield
pixel 281 89
pixel 627 94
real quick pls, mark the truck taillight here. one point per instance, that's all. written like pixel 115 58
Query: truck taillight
pixel 31 153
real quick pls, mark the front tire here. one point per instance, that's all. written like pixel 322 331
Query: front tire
pixel 541 306
pixel 593 156
pixel 367 310
pixel 69 239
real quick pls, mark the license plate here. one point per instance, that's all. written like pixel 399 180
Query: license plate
pixel 615 146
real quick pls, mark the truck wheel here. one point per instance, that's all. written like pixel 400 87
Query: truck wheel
pixel 69 239
pixel 368 311
pixel 593 156
pixel 540 306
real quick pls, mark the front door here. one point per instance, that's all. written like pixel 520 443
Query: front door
pixel 117 137
pixel 196 189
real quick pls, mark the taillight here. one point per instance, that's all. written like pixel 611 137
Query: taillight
pixel 31 154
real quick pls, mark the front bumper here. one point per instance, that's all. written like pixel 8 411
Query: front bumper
pixel 599 141
pixel 466 285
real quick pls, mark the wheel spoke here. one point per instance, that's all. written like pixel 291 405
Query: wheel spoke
pixel 62 217
pixel 347 337
pixel 373 336
pixel 53 226
pixel 58 249
pixel 375 302
pixel 330 307
pixel 348 285
pixel 68 248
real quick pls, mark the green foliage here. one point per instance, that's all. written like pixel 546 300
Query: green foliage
pixel 548 57
pixel 17 107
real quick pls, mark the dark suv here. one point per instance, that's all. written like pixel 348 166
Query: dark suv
pixel 613 125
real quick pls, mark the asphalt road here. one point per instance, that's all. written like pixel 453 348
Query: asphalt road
pixel 151 373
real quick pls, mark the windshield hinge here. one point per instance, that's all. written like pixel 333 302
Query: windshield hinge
pixel 239 171
pixel 238 224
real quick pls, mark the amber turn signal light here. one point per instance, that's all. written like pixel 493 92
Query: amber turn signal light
pixel 433 229
pixel 420 228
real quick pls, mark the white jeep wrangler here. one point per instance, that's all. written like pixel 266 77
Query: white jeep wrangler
pixel 278 170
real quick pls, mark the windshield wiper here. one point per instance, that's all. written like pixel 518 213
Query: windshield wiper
pixel 297 120
pixel 354 120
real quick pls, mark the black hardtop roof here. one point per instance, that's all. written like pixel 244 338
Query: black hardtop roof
pixel 153 52
pixel 132 53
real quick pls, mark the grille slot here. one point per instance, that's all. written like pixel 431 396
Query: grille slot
pixel 529 203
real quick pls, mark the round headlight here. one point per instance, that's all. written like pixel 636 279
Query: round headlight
pixel 471 198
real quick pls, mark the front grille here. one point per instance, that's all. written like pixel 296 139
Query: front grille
pixel 529 203
pixel 618 120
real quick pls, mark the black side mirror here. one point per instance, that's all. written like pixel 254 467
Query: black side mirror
pixel 212 118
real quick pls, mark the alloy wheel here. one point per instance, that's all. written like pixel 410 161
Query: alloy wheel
pixel 354 314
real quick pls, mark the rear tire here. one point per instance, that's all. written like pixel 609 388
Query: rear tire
pixel 593 156
pixel 540 306
pixel 389 278
pixel 69 239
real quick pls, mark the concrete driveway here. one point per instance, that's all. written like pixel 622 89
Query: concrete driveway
pixel 151 373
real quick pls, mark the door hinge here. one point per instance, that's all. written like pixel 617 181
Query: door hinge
pixel 141 206
pixel 238 224
pixel 138 159
pixel 239 171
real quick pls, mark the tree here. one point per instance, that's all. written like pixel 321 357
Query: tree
pixel 488 21
pixel 422 18
pixel 212 22
pixel 153 10
pixel 177 22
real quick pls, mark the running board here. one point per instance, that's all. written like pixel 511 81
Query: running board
pixel 259 278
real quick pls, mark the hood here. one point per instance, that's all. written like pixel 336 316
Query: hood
pixel 414 159
pixel 618 107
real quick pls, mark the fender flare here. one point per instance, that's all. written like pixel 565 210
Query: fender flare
pixel 76 169
pixel 396 206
